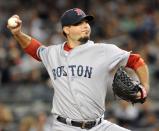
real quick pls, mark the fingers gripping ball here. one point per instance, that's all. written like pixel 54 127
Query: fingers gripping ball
pixel 126 88
pixel 12 22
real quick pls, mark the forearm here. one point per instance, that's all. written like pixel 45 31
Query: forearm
pixel 23 39
pixel 136 63
pixel 143 75
pixel 30 45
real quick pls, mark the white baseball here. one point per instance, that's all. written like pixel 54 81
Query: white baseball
pixel 12 22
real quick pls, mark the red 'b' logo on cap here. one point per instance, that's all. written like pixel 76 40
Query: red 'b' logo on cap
pixel 79 12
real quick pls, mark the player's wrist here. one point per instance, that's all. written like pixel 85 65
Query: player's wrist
pixel 146 87
pixel 17 33
pixel 143 92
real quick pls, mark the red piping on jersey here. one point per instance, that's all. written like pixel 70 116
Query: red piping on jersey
pixel 135 61
pixel 31 49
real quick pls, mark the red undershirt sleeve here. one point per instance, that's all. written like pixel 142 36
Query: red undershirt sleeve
pixel 135 61
pixel 32 48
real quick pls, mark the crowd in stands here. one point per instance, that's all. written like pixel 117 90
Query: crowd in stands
pixel 130 24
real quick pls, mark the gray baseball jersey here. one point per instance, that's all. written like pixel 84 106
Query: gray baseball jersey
pixel 80 77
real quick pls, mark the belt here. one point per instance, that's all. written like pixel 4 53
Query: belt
pixel 82 124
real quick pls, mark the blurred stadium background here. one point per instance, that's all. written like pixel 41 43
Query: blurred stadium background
pixel 25 92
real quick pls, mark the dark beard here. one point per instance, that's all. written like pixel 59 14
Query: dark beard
pixel 83 40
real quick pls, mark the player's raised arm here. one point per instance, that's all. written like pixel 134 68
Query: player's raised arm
pixel 15 25
pixel 29 44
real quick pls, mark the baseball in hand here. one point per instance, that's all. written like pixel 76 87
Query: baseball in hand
pixel 12 22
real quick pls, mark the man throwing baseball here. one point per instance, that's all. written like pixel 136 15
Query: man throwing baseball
pixel 80 71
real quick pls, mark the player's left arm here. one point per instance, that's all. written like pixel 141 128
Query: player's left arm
pixel 136 63
pixel 32 49
pixel 29 44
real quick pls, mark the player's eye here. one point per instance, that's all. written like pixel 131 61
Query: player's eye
pixel 81 22
pixel 78 23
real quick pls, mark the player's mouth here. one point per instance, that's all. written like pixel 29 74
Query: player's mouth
pixel 85 31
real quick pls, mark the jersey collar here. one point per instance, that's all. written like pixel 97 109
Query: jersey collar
pixel 65 49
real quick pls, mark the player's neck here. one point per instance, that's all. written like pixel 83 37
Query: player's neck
pixel 73 44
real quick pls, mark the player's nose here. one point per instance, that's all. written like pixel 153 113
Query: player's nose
pixel 85 25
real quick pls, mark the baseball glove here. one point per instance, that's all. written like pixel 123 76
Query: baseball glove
pixel 126 88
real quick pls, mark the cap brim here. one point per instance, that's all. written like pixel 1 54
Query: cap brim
pixel 89 18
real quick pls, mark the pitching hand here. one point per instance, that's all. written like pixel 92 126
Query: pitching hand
pixel 14 24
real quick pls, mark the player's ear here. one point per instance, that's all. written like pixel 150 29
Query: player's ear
pixel 66 30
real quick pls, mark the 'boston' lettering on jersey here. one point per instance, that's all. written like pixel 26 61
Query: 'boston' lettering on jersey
pixel 74 70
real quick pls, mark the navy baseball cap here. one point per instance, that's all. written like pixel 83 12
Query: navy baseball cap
pixel 74 16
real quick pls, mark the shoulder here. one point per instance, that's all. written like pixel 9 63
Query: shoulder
pixel 52 47
pixel 47 49
pixel 109 49
pixel 106 46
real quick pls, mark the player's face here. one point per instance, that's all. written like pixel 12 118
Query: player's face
pixel 80 31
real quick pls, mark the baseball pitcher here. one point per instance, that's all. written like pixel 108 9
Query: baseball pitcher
pixel 80 70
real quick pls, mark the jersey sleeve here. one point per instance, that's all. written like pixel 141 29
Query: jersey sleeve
pixel 42 53
pixel 46 54
pixel 118 57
